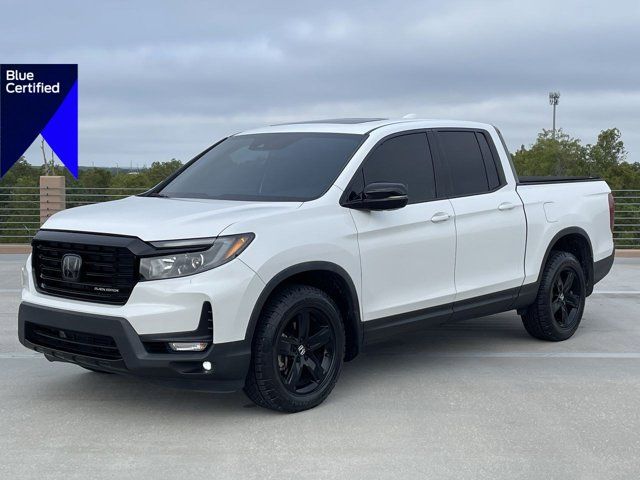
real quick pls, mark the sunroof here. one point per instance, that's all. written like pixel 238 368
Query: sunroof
pixel 343 121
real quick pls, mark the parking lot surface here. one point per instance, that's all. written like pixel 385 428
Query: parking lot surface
pixel 474 399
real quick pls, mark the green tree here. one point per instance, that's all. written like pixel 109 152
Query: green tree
pixel 21 173
pixel 95 178
pixel 607 159
pixel 562 155
pixel 608 151
pixel 565 155
pixel 161 170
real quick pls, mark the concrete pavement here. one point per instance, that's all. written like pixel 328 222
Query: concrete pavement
pixel 474 399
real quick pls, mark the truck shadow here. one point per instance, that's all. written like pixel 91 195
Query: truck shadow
pixel 389 360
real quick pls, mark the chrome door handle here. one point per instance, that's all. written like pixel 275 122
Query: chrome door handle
pixel 440 217
pixel 506 206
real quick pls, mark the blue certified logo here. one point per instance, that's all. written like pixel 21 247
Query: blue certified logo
pixel 39 99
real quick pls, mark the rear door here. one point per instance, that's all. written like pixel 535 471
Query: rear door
pixel 489 217
pixel 407 255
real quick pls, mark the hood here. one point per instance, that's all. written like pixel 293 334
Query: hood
pixel 156 218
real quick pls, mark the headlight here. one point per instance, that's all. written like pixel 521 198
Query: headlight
pixel 174 265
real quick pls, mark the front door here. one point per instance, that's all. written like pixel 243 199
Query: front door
pixel 407 255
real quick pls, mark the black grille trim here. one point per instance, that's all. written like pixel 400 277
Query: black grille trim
pixel 71 341
pixel 108 273
pixel 109 269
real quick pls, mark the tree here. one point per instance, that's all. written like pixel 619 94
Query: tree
pixel 607 159
pixel 161 170
pixel 22 173
pixel 95 178
pixel 565 155
pixel 608 151
pixel 562 155
pixel 48 165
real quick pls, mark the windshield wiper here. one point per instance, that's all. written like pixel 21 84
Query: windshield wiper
pixel 159 195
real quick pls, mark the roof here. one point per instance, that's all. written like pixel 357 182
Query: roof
pixel 360 126
pixel 339 121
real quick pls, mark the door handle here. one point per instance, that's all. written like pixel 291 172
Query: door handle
pixel 506 206
pixel 440 217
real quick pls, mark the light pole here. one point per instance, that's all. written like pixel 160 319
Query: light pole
pixel 554 99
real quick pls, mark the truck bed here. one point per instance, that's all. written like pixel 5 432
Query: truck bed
pixel 549 179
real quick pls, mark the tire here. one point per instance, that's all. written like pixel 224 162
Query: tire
pixel 557 311
pixel 297 352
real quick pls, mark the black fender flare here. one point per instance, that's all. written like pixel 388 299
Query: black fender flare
pixel 293 270
pixel 528 292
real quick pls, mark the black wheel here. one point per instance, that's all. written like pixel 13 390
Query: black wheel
pixel 298 350
pixel 557 311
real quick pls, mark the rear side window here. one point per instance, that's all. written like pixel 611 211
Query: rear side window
pixel 489 161
pixel 463 156
pixel 404 159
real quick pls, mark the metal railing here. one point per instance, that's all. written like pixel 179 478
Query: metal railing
pixel 21 207
pixel 19 213
pixel 21 210
pixel 76 197
pixel 626 228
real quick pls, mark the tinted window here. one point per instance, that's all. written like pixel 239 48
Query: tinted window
pixel 405 159
pixel 464 159
pixel 489 161
pixel 267 167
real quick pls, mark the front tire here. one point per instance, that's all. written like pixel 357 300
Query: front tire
pixel 298 350
pixel 557 311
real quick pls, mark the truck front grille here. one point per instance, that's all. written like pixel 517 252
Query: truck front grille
pixel 69 341
pixel 107 273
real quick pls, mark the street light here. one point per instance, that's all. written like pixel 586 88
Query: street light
pixel 554 99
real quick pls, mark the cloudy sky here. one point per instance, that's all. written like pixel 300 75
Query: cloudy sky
pixel 162 79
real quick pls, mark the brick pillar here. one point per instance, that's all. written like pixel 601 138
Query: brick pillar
pixel 52 196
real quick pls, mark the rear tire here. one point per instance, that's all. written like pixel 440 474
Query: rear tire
pixel 557 311
pixel 297 352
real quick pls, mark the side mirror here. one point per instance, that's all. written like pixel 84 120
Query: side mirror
pixel 381 196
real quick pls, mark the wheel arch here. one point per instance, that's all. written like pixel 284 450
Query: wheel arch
pixel 574 240
pixel 327 276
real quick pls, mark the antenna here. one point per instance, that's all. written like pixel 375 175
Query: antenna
pixel 554 100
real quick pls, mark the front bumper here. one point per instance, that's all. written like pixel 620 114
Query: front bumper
pixel 230 361
pixel 174 304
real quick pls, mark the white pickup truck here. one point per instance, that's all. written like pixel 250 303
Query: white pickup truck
pixel 275 255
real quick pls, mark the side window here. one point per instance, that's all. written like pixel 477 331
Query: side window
pixel 489 161
pixel 404 159
pixel 462 154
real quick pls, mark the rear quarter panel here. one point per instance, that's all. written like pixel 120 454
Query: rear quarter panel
pixel 551 208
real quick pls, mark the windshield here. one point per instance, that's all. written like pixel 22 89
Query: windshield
pixel 267 167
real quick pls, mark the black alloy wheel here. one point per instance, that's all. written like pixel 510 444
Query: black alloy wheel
pixel 297 351
pixel 306 350
pixel 566 297
pixel 556 313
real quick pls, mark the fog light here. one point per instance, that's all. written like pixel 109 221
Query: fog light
pixel 188 346
pixel 206 366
